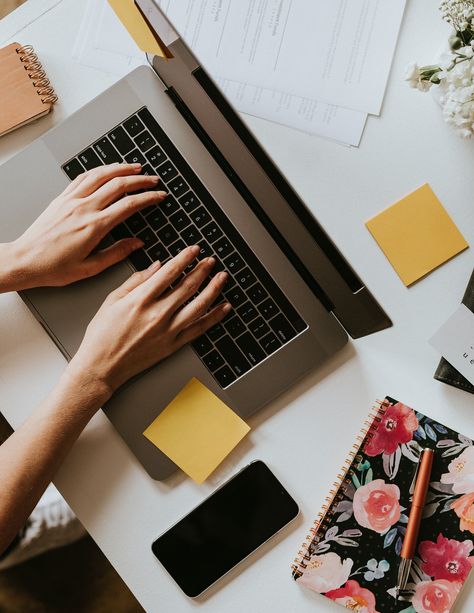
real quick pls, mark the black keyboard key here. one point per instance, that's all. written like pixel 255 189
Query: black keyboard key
pixel 189 202
pixel 235 296
pixel 135 157
pixel 205 251
pixel 250 348
pixel 121 140
pixel 140 259
pixel 156 219
pixel 158 252
pixel 168 235
pixel 234 263
pixel 248 312
pixel 121 231
pixel 270 343
pixel 179 220
pixel 224 376
pixel 268 309
pixel 144 141
pixel 89 159
pixel 169 206
pixel 218 267
pixel 256 293
pixel 258 327
pixel 177 247
pixel 148 237
pixel 136 223
pixel 106 151
pixel 147 170
pixel 202 345
pixel 73 169
pixel 156 156
pixel 246 278
pixel 200 216
pixel 133 126
pixel 213 360
pixel 191 235
pixel 236 359
pixel 178 187
pixel 223 247
pixel 212 232
pixel 215 332
pixel 234 326
pixel 166 171
pixel 282 328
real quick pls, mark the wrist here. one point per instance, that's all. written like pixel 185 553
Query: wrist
pixel 92 389
pixel 14 273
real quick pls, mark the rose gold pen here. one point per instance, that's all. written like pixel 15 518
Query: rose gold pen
pixel 414 519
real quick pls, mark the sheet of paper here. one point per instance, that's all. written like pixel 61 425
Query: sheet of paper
pixel 339 52
pixel 333 122
pixel 416 234
pixel 455 341
pixel 196 430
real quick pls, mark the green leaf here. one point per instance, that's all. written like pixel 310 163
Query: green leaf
pixel 356 481
pixel 369 476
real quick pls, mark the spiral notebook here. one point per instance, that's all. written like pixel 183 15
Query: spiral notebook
pixel 352 553
pixel 26 93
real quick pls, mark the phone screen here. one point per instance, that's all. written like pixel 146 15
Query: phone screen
pixel 223 530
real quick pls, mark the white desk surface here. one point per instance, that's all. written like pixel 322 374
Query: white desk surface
pixel 305 434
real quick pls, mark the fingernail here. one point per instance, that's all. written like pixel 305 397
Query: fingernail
pixel 226 307
pixel 137 243
pixel 195 249
pixel 210 261
pixel 137 166
pixel 161 194
pixel 222 276
pixel 155 265
pixel 155 178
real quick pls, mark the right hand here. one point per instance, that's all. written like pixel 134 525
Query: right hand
pixel 144 321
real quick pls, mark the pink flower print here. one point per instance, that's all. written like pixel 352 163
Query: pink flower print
pixel 464 509
pixel 326 572
pixel 376 505
pixel 435 596
pixel 354 597
pixel 461 472
pixel 396 426
pixel 446 559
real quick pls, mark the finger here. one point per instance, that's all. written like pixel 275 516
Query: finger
pixel 121 210
pixel 100 260
pixel 95 178
pixel 118 186
pixel 203 324
pixel 198 307
pixel 169 272
pixel 136 279
pixel 191 283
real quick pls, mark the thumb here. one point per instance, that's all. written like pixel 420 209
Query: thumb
pixel 103 259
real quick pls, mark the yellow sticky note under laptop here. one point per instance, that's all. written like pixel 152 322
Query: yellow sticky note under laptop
pixel 416 234
pixel 196 430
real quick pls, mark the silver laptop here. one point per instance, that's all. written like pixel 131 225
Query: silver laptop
pixel 295 297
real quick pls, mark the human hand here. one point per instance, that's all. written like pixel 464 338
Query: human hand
pixel 58 248
pixel 144 321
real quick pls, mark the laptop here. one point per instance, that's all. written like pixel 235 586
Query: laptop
pixel 295 297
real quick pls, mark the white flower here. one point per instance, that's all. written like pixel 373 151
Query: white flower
pixel 413 76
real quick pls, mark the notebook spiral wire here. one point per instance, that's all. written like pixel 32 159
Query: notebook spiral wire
pixel 336 494
pixel 35 71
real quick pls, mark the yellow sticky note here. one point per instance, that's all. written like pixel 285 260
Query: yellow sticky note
pixel 131 17
pixel 196 430
pixel 416 234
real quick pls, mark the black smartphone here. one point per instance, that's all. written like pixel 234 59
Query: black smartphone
pixel 235 520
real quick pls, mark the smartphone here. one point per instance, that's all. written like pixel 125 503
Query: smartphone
pixel 227 527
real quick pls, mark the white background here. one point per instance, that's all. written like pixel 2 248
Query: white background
pixel 304 436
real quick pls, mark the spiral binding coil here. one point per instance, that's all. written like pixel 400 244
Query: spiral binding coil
pixel 337 492
pixel 35 71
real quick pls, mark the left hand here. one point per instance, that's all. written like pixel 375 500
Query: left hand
pixel 58 248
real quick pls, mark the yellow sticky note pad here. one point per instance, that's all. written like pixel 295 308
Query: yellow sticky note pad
pixel 196 430
pixel 416 234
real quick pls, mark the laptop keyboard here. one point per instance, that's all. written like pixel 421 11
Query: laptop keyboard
pixel 262 320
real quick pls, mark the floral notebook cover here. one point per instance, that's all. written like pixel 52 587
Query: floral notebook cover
pixel 353 552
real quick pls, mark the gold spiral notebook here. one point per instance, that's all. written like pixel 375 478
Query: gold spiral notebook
pixel 352 553
pixel 26 93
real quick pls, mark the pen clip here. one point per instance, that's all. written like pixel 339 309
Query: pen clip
pixel 417 470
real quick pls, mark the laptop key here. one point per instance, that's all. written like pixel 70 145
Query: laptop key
pixel 234 263
pixel 213 360
pixel 189 201
pixel 134 126
pixel 223 247
pixel 169 206
pixel 250 348
pixel 177 247
pixel 121 140
pixel 235 358
pixel 166 171
pixel 258 327
pixel 246 278
pixel 89 159
pixel 135 157
pixel 158 252
pixel 215 332
pixel 200 216
pixel 224 376
pixel 268 308
pixel 121 231
pixel 156 156
pixel 140 259
pixel 147 170
pixel 106 151
pixel 202 345
pixel 136 223
pixel 256 293
pixel 235 296
pixel 282 328
pixel 156 219
pixel 212 232
pixel 205 251
pixel 148 237
pixel 144 141
pixel 248 312
pixel 191 235
pixel 178 187
pixel 179 220
pixel 270 343
pixel 168 235
pixel 235 326
pixel 73 169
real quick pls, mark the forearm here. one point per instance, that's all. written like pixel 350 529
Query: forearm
pixel 30 458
